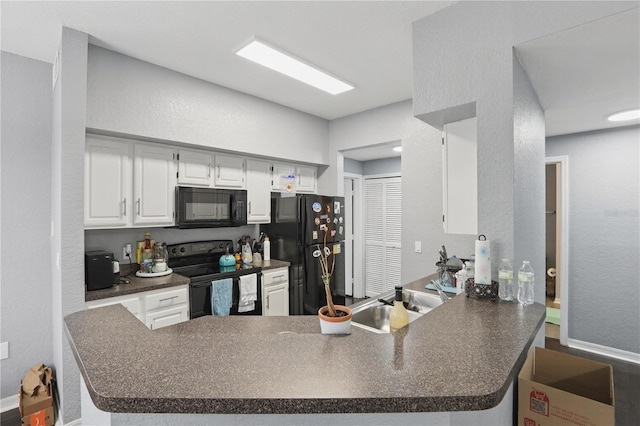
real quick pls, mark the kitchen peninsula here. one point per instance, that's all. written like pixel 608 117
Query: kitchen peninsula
pixel 461 357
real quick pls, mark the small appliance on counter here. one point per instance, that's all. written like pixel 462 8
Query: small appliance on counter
pixel 98 270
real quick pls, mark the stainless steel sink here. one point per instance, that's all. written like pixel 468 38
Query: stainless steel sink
pixel 374 316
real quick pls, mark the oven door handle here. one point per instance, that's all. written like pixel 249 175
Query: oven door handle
pixel 200 284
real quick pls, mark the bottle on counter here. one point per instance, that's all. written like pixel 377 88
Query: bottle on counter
pixel 147 240
pixel 470 266
pixel 247 254
pixel 398 317
pixel 525 283
pixel 266 249
pixel 505 278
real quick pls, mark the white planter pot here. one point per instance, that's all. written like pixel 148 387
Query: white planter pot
pixel 335 325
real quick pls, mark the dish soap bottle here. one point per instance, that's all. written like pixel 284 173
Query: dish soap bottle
pixel 398 317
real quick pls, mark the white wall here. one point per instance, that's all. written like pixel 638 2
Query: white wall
pixel 132 97
pixel 25 265
pixel 604 235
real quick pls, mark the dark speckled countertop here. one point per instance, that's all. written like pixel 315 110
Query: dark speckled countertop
pixel 138 284
pixel 461 356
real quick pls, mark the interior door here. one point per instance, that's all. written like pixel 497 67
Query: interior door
pixel 383 234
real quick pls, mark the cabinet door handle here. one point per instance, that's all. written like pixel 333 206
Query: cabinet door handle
pixel 267 301
pixel 168 298
pixel 249 208
pixel 218 171
pixel 209 171
pixel 124 207
pixel 278 276
pixel 138 207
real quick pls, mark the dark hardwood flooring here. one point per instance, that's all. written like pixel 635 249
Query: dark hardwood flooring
pixel 10 418
pixel 626 383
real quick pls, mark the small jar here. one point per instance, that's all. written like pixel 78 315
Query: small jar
pixel 147 240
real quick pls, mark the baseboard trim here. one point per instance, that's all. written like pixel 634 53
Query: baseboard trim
pixel 9 403
pixel 605 351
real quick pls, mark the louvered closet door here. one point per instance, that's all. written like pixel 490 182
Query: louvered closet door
pixel 383 231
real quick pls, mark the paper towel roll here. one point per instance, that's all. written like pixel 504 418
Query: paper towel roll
pixel 483 261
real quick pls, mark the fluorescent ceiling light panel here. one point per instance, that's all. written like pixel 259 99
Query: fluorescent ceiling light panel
pixel 287 64
pixel 625 115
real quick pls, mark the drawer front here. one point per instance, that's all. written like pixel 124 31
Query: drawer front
pixel 275 276
pixel 166 299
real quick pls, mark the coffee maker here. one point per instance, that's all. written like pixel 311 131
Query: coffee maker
pixel 98 270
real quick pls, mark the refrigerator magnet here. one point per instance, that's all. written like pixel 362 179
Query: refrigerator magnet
pixel 336 249
pixel 333 232
pixel 336 207
pixel 316 207
pixel 323 227
pixel 314 235
pixel 317 220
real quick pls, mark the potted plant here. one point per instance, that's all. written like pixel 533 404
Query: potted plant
pixel 334 319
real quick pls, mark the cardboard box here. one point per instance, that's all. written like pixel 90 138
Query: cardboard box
pixel 36 397
pixel 560 389
pixel 39 418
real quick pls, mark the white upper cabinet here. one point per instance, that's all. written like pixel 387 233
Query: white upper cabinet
pixel 283 177
pixel 154 184
pixel 258 191
pixel 195 167
pixel 229 171
pixel 107 182
pixel 288 177
pixel 306 179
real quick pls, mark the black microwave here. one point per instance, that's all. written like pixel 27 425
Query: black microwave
pixel 210 208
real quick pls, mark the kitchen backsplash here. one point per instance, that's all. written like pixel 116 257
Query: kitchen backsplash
pixel 113 240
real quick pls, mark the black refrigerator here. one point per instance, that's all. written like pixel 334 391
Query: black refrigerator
pixel 300 225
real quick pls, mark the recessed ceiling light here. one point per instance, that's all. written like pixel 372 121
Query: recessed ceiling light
pixel 633 114
pixel 397 148
pixel 279 60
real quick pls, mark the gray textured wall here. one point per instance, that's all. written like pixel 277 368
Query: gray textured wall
pixel 463 56
pixel 604 235
pixel 25 226
pixel 67 210
pixel 391 165
pixel 352 166
pixel 130 96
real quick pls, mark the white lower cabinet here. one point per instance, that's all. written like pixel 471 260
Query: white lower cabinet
pixel 131 302
pixel 155 308
pixel 275 292
pixel 166 317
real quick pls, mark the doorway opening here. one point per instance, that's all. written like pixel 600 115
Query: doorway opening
pixel 557 247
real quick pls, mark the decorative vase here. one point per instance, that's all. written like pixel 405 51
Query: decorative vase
pixel 335 325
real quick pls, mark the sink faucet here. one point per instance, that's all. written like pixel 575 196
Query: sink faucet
pixel 441 293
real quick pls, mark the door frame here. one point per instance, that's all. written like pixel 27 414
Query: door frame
pixel 562 235
pixel 356 226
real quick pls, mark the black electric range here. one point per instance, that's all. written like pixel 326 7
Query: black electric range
pixel 199 261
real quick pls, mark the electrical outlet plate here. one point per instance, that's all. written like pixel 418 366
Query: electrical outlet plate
pixel 4 350
pixel 126 250
pixel 418 246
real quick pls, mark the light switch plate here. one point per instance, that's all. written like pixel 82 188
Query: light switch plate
pixel 4 350
pixel 418 246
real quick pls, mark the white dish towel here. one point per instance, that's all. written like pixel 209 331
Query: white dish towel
pixel 248 292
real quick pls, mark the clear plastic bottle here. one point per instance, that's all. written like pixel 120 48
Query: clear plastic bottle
pixel 470 266
pixel 505 277
pixel 525 283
